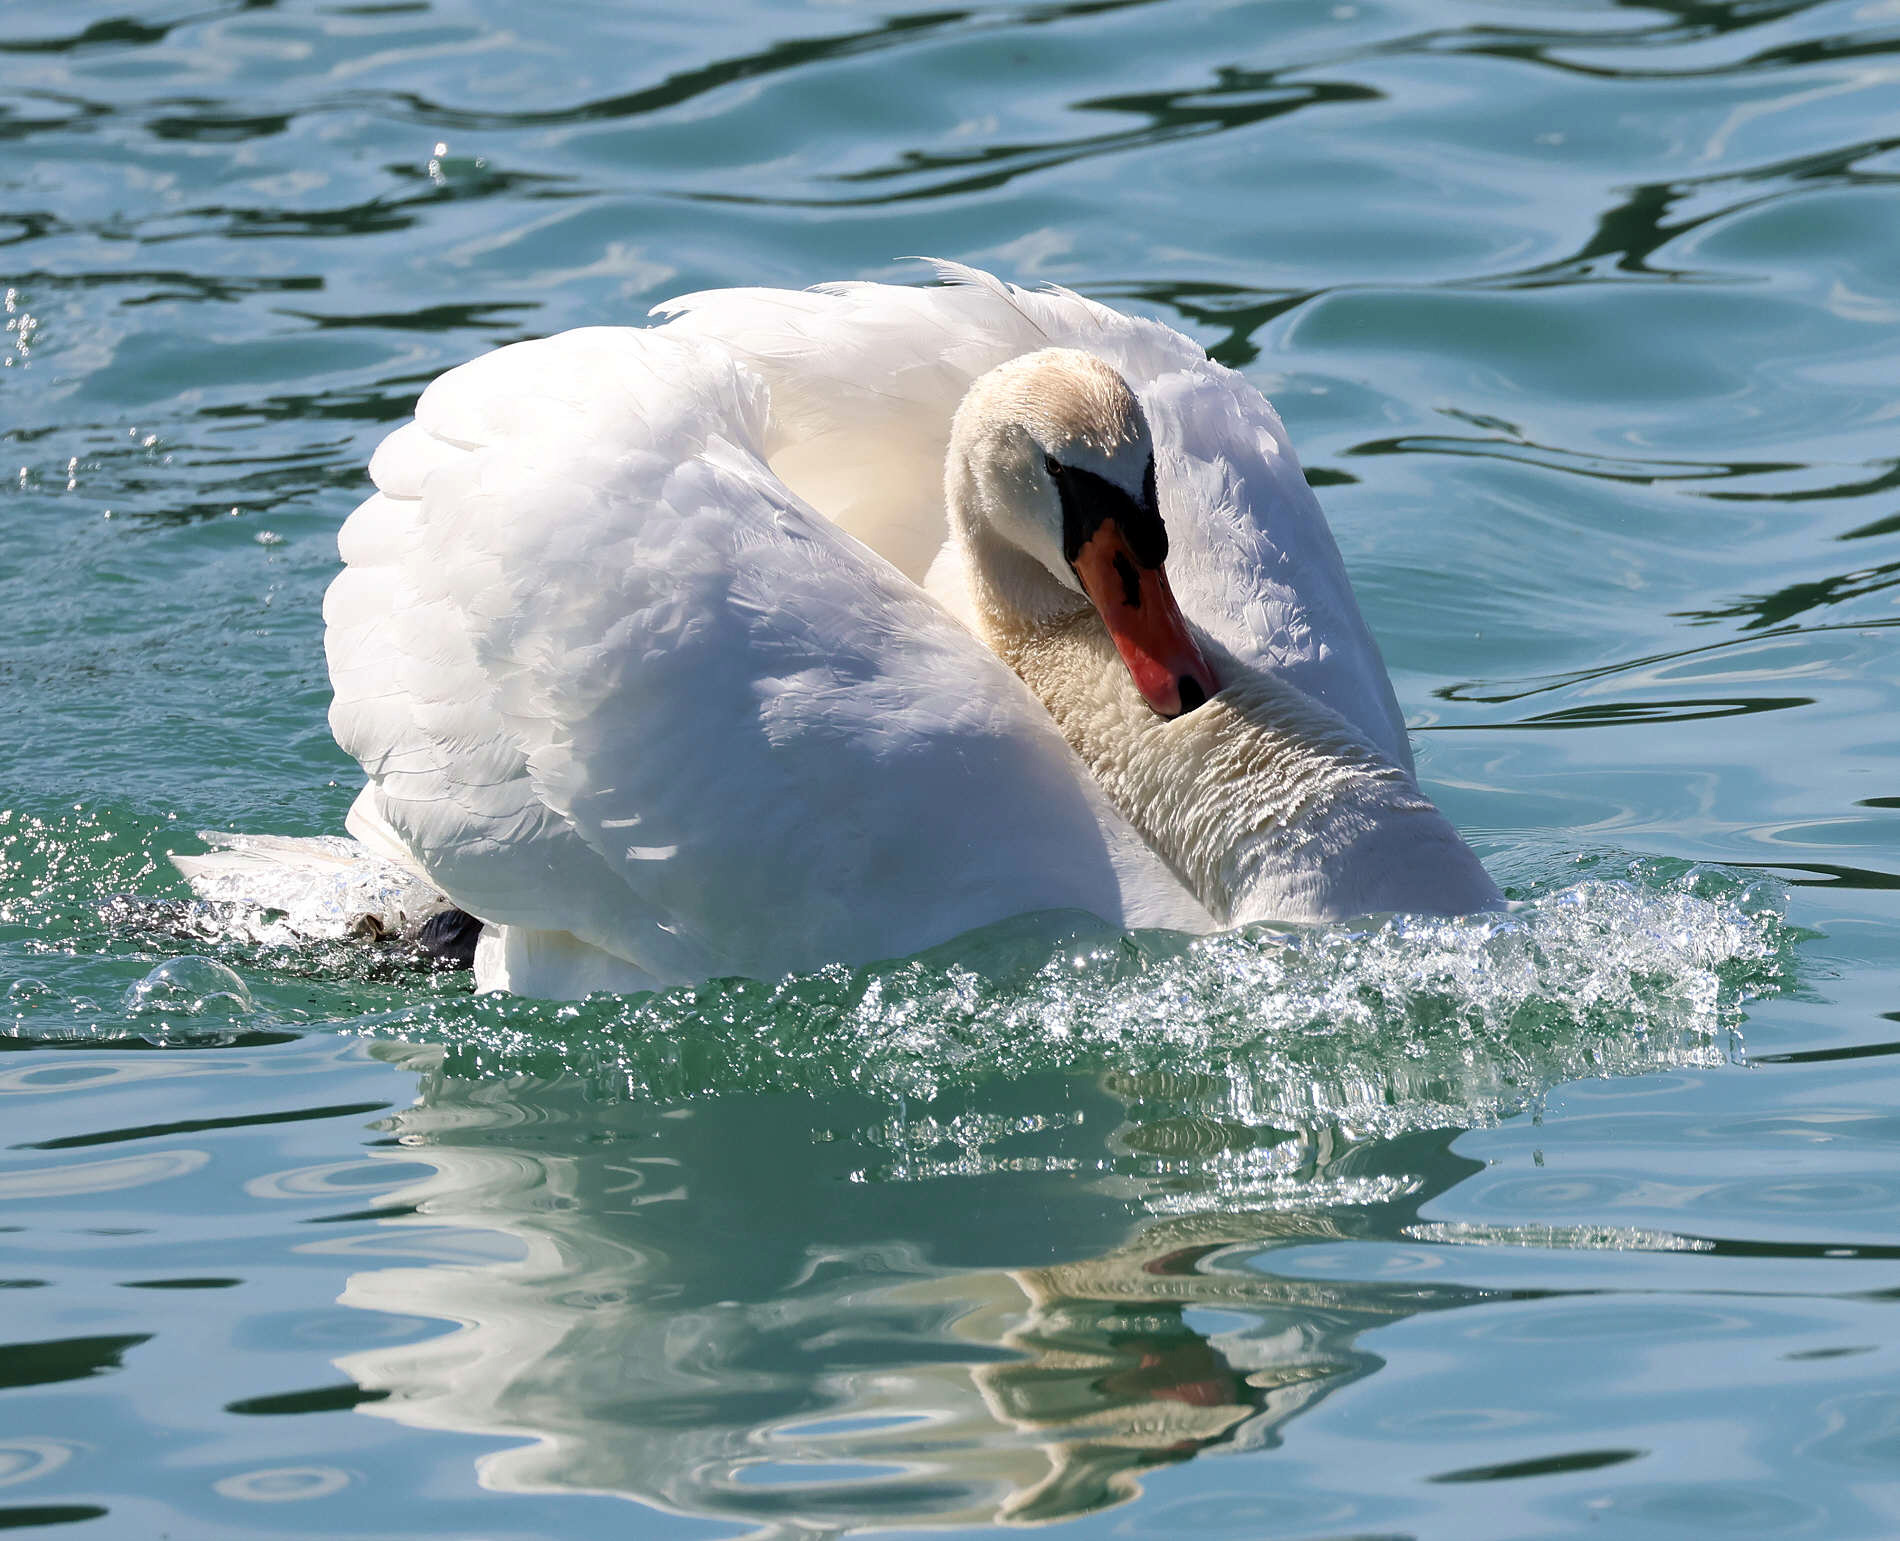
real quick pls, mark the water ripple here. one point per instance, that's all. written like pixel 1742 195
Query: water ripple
pixel 1414 1023
pixel 1585 319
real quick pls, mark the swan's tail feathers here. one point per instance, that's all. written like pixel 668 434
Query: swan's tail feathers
pixel 326 888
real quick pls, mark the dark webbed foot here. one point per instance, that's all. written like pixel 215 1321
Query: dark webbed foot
pixel 448 938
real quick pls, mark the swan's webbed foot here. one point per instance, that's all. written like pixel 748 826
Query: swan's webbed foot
pixel 448 938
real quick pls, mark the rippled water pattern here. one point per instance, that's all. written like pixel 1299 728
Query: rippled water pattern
pixel 1583 1220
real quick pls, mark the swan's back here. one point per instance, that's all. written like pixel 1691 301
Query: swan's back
pixel 865 378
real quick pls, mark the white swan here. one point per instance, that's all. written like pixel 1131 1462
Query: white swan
pixel 681 651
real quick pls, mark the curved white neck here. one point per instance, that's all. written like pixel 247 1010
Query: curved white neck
pixel 1268 805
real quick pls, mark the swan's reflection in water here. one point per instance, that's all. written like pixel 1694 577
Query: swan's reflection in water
pixel 740 1308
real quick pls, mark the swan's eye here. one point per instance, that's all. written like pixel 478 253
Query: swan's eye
pixel 1090 501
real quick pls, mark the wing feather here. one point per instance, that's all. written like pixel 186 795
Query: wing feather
pixel 609 676
pixel 1251 556
pixel 866 377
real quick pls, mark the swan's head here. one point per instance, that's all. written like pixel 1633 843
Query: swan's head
pixel 1051 460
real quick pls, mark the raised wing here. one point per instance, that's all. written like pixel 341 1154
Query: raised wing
pixel 608 676
pixel 1250 555
pixel 865 379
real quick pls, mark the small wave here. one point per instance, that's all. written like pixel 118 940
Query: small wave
pixel 1369 1030
pixel 1348 1031
pixel 95 880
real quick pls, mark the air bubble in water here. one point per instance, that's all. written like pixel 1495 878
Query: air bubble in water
pixel 190 987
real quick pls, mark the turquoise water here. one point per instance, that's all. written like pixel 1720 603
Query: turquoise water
pixel 1586 1221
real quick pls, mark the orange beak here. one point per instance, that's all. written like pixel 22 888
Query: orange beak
pixel 1138 608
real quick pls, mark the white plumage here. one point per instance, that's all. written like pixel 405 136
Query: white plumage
pixel 864 381
pixel 631 681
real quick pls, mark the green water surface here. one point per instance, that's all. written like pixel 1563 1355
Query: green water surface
pixel 1582 1222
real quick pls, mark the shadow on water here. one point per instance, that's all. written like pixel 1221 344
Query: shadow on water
pixel 116 33
pixel 1759 612
pixel 1767 622
pixel 1649 670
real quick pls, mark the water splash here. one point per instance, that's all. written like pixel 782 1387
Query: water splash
pixel 1368 1030
pixel 281 892
pixel 87 882
pixel 1300 1036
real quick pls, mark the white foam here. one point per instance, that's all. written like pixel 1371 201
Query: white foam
pixel 1328 1033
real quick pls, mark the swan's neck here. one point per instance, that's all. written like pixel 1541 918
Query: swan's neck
pixel 1267 804
pixel 1012 595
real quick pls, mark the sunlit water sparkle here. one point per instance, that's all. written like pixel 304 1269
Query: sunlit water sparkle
pixel 1578 1220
